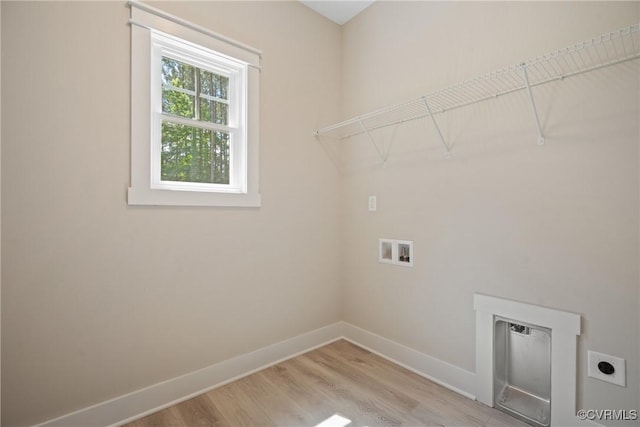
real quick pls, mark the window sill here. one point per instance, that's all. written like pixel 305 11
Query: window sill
pixel 151 197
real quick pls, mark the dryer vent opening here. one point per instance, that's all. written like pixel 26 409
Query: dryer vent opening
pixel 522 371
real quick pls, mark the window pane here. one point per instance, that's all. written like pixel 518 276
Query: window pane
pixel 178 74
pixel 214 112
pixel 191 154
pixel 178 103
pixel 214 84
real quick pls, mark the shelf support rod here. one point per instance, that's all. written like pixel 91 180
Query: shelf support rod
pixel 447 154
pixel 373 142
pixel 533 104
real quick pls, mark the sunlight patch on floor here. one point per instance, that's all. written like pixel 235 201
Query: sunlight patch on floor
pixel 334 421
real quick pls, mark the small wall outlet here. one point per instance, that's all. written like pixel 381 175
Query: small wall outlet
pixel 373 203
pixel 606 368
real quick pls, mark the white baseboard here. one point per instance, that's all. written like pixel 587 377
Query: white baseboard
pixel 443 373
pixel 137 404
pixel 131 406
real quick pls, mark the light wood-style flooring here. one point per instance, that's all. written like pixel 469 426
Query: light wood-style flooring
pixel 339 378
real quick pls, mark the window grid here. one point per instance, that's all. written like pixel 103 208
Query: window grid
pixel 197 131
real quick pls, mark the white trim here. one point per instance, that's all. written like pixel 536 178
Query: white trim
pixel 440 372
pixel 142 191
pixel 177 20
pixel 131 406
pixel 147 196
pixel 200 124
pixel 528 313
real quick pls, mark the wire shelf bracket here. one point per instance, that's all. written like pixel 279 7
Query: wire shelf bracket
pixel 525 77
pixel 599 52
pixel 383 156
pixel 435 123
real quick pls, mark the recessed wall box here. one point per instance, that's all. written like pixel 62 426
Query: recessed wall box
pixel 405 253
pixel 398 252
pixel 386 251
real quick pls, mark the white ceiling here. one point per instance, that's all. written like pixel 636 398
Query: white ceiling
pixel 339 11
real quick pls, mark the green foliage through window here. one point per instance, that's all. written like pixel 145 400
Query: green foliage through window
pixel 194 153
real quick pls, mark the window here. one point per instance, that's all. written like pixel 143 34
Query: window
pixel 198 138
pixel 193 117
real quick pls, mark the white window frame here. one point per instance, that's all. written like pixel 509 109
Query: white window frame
pixel 163 45
pixel 155 34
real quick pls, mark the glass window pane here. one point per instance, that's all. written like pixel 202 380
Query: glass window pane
pixel 214 112
pixel 206 84
pixel 220 158
pixel 178 103
pixel 221 85
pixel 178 74
pixel 191 154
pixel 214 84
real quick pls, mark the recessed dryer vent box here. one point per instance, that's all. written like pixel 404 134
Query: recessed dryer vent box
pixel 398 252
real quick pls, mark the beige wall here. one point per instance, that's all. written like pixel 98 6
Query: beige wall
pixel 555 225
pixel 100 298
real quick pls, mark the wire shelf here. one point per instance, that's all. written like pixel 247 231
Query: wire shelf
pixel 599 52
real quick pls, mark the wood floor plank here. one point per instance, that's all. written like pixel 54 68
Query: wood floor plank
pixel 278 407
pixel 444 405
pixel 200 411
pixel 165 418
pixel 340 378
pixel 384 405
pixel 500 419
pixel 310 399
pixel 366 379
pixel 237 409
pixel 344 397
pixel 421 402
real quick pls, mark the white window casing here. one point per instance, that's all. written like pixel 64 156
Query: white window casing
pixel 155 34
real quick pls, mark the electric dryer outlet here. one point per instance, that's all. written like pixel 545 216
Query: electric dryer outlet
pixel 606 368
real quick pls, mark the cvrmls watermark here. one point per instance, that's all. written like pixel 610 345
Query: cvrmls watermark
pixel 608 414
